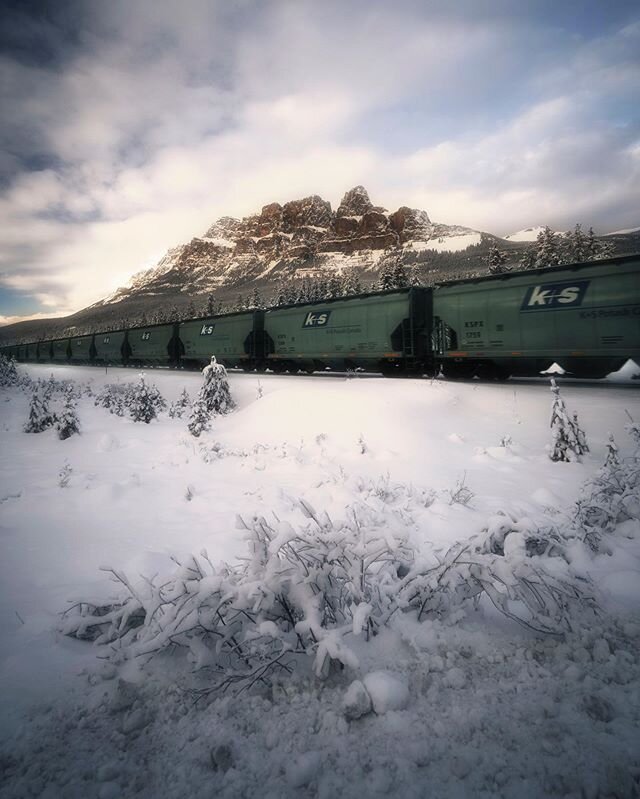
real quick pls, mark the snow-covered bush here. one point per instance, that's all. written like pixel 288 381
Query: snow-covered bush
pixel 461 494
pixel 568 441
pixel 64 475
pixel 177 409
pixel 612 496
pixel 633 429
pixel 40 417
pixel 67 423
pixel 301 592
pixel 145 401
pixel 304 594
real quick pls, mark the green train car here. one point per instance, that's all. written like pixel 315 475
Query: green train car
pixel 108 348
pixel 60 350
pixel 388 331
pixel 82 349
pixel 585 317
pixel 236 339
pixel 155 345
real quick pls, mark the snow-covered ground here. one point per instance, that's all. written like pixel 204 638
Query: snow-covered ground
pixel 475 704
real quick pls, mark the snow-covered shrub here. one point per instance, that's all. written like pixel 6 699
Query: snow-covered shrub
pixel 515 582
pixel 300 592
pixel 40 417
pixel 568 440
pixel 461 494
pixel 305 594
pixel 178 408
pixel 67 423
pixel 612 496
pixel 64 475
pixel 145 401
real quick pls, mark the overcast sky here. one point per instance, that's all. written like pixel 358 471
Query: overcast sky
pixel 128 126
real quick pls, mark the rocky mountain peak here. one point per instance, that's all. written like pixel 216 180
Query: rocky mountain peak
pixel 355 202
pixel 225 228
pixel 296 240
pixel 311 211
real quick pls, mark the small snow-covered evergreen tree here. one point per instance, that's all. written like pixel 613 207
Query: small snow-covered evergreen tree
pixel 178 408
pixel 215 390
pixel 200 418
pixel 67 423
pixel 613 459
pixel 8 372
pixel 40 417
pixel 568 439
pixel 145 402
pixel 214 398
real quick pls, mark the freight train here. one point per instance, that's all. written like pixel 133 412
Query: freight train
pixel 585 317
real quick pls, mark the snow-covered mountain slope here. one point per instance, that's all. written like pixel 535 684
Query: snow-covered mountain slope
pixel 527 234
pixel 624 232
pixel 302 238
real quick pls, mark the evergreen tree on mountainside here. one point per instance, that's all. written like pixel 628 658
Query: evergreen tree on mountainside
pixel 497 261
pixel 598 249
pixel 399 275
pixel 575 247
pixel 351 282
pixel 335 286
pixel 281 293
pixel 256 299
pixel 386 277
pixel 547 249
pixel 572 247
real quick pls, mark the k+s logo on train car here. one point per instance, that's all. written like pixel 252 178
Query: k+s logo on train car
pixel 316 319
pixel 554 295
pixel 207 330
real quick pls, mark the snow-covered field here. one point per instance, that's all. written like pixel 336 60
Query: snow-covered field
pixel 477 705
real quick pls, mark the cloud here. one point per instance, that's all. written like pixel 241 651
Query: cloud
pixel 161 117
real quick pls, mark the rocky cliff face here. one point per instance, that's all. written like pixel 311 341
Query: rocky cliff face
pixel 301 238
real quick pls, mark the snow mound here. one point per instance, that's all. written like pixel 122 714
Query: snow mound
pixel 387 691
